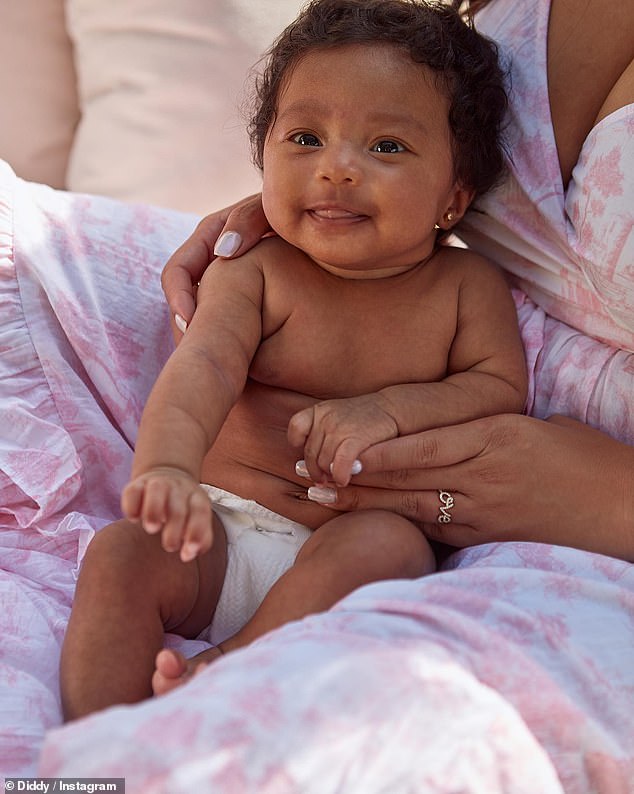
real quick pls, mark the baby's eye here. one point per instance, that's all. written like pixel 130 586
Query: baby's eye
pixel 306 139
pixel 388 147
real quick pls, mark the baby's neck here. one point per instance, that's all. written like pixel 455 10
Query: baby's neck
pixel 353 273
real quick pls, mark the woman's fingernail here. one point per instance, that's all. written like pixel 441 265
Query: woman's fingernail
pixel 180 323
pixel 301 469
pixel 357 467
pixel 227 244
pixel 324 496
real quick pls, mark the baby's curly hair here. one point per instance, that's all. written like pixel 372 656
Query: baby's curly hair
pixel 434 34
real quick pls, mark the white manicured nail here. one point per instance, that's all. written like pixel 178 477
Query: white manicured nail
pixel 180 323
pixel 301 469
pixel 227 244
pixel 324 496
pixel 356 468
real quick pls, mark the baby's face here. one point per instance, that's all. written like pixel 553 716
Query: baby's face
pixel 358 166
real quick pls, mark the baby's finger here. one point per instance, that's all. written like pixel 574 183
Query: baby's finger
pixel 198 535
pixel 174 527
pixel 345 461
pixel 132 500
pixel 326 456
pixel 306 429
pixel 318 466
pixel 154 508
pixel 299 427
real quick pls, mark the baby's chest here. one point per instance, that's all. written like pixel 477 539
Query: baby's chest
pixel 336 347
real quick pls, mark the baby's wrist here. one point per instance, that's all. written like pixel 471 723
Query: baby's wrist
pixel 163 470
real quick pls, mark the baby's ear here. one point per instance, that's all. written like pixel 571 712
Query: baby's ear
pixel 457 205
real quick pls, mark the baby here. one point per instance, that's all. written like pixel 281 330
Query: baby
pixel 377 122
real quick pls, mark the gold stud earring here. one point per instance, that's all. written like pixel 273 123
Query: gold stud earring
pixel 449 216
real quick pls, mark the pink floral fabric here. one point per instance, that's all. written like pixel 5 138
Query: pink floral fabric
pixel 570 252
pixel 512 670
pixel 83 334
pixel 508 672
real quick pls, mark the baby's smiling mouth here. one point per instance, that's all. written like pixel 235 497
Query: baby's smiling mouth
pixel 336 214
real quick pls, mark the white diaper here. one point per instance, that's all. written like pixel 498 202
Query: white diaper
pixel 261 546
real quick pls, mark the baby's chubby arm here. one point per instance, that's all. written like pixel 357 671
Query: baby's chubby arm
pixel 190 400
pixel 486 375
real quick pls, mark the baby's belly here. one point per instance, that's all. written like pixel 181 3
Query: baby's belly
pixel 252 457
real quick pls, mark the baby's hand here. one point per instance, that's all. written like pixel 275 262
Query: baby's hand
pixel 170 501
pixel 335 432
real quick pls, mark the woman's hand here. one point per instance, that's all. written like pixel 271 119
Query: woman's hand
pixel 511 478
pixel 227 233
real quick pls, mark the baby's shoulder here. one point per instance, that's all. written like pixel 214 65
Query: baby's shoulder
pixel 466 266
pixel 287 271
pixel 277 253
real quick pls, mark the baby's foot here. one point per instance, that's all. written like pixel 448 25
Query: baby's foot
pixel 173 669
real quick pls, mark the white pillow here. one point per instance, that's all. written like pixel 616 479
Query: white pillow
pixel 161 86
pixel 38 88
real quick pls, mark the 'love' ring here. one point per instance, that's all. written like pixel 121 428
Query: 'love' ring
pixel 446 503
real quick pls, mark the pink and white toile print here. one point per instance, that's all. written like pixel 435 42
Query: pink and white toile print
pixel 511 670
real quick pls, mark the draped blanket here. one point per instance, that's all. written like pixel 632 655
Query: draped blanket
pixel 511 670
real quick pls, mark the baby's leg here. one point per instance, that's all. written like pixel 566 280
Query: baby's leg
pixel 129 592
pixel 349 551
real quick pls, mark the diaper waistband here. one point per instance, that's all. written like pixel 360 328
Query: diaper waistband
pixel 264 518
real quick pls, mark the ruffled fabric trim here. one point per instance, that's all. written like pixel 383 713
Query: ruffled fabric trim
pixel 39 468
